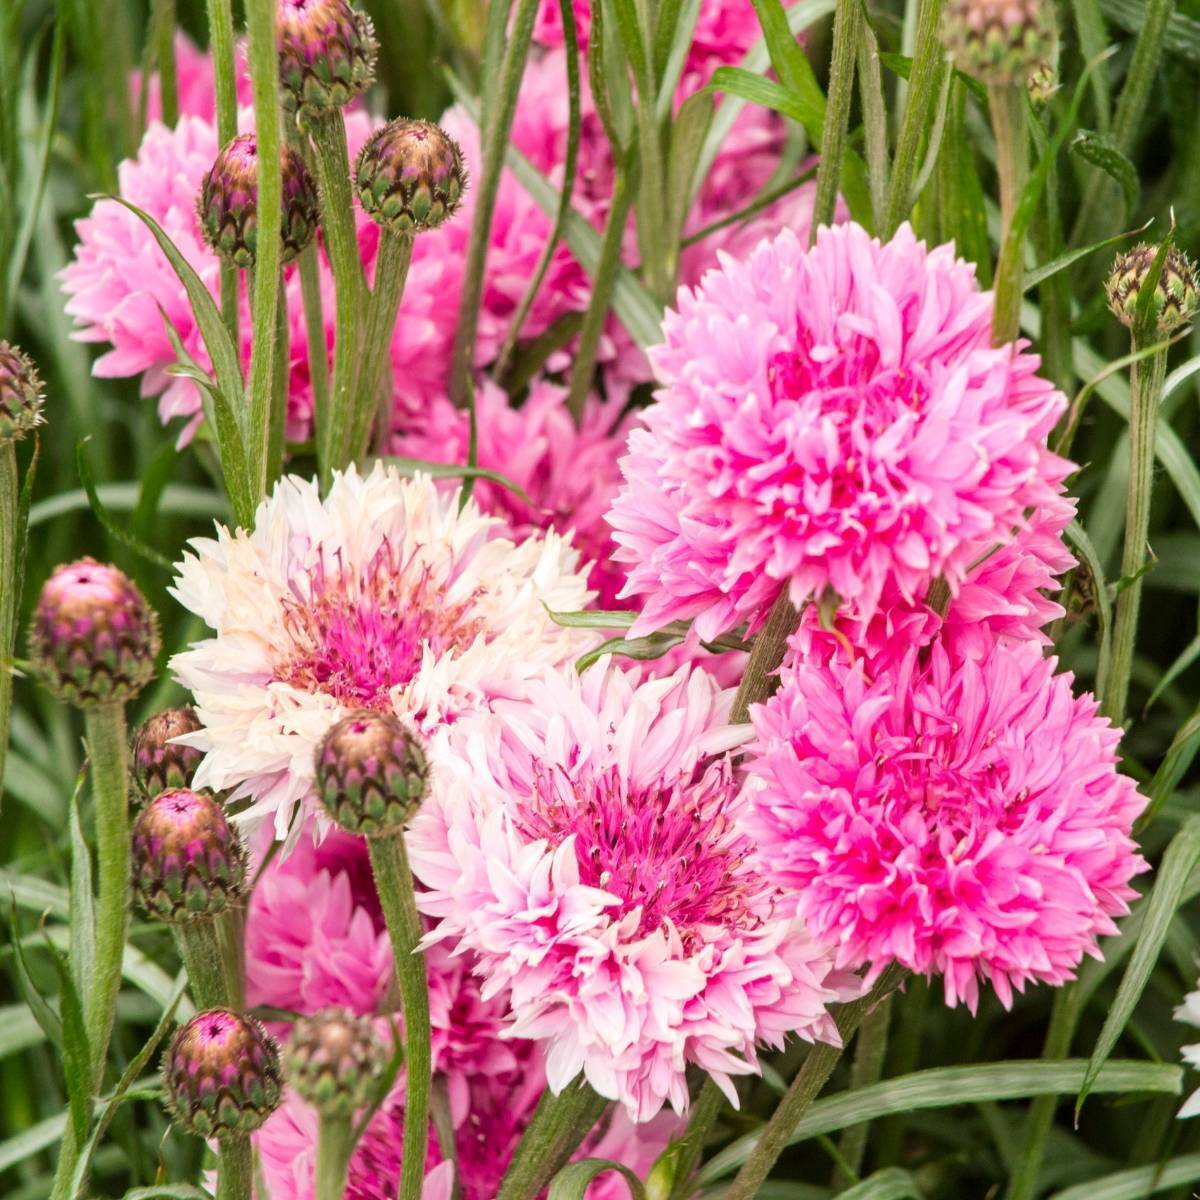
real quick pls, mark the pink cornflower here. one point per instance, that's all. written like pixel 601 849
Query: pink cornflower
pixel 831 420
pixel 962 819
pixel 583 840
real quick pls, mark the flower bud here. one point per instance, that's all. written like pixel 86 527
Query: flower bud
pixel 187 861
pixel 410 176
pixel 221 1075
pixel 370 773
pixel 159 762
pixel 327 54
pixel 1000 42
pixel 228 203
pixel 20 394
pixel 1175 297
pixel 94 638
pixel 332 1060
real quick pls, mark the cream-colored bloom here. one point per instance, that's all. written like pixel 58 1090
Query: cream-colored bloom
pixel 384 595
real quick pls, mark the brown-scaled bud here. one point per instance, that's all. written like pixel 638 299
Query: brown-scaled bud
pixel 1000 42
pixel 327 52
pixel 159 762
pixel 332 1060
pixel 410 176
pixel 20 394
pixel 1175 298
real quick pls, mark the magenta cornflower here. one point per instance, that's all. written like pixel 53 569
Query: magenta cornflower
pixel 962 819
pixel 584 841
pixel 830 420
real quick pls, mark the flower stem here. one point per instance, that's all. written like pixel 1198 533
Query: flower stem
pixel 689 1148
pixel 555 1131
pixel 200 945
pixel 1010 122
pixel 220 40
pixel 335 1144
pixel 9 502
pixel 341 244
pixel 393 879
pixel 372 398
pixel 235 1169
pixel 603 283
pixel 314 333
pixel 805 1088
pixel 870 1049
pixel 108 755
pixel 770 645
pixel 1146 384
pixel 847 33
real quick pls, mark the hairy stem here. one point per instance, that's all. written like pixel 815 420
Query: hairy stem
pixel 1010 122
pixel 847 33
pixel 770 645
pixel 235 1169
pixel 870 1049
pixel 10 493
pixel 335 1145
pixel 688 1149
pixel 200 946
pixel 393 878
pixel 220 40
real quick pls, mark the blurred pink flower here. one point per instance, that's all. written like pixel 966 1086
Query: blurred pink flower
pixel 963 819
pixel 831 420
pixel 583 840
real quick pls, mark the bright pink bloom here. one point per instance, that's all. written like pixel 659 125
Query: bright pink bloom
pixel 963 819
pixel 194 82
pixel 830 420
pixel 583 840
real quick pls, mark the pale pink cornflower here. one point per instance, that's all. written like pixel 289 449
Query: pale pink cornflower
pixel 385 595
pixel 582 840
pixel 832 420
pixel 964 819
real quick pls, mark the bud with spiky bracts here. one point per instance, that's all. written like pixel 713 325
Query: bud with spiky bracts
pixel 410 176
pixel 228 203
pixel 221 1075
pixel 188 863
pixel 20 394
pixel 159 762
pixel 94 638
pixel 327 53
pixel 1000 42
pixel 370 773
pixel 1175 298
pixel 332 1059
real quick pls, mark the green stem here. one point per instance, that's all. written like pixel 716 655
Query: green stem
pixel 875 122
pixel 495 138
pixel 200 946
pixel 870 1049
pixel 705 1110
pixel 770 645
pixel 277 419
pixel 1145 395
pixel 603 282
pixel 335 1144
pixel 268 267
pixel 314 333
pixel 10 492
pixel 393 879
pixel 922 87
pixel 162 22
pixel 107 744
pixel 1010 122
pixel 555 1131
pixel 341 244
pixel 220 40
pixel 1068 1006
pixel 847 26
pixel 235 1169
pixel 372 398
pixel 805 1088
pixel 652 189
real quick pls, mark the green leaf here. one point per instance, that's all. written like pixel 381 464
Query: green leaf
pixel 32 1141
pixel 155 477
pixel 1183 660
pixel 889 1184
pixel 1100 150
pixel 573 1181
pixel 594 619
pixel 82 922
pixel 39 1008
pixel 19 1029
pixel 1137 1182
pixel 76 1051
pixel 115 531
pixel 415 466
pixel 1181 856
pixel 643 649
pixel 167 1191
pixel 687 140
pixel 178 499
pixel 1040 274
pixel 946 1087
pixel 766 93
pixel 30 892
pixel 788 57
pixel 1182 34
pixel 1175 762
pixel 1077 536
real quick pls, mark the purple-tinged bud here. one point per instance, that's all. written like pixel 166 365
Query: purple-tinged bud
pixel 187 861
pixel 20 394
pixel 159 762
pixel 228 203
pixel 370 773
pixel 333 1059
pixel 327 52
pixel 221 1075
pixel 1000 42
pixel 410 176
pixel 94 638
pixel 1175 298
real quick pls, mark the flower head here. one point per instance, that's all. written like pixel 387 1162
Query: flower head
pixel 583 840
pixel 830 421
pixel 20 394
pixel 158 761
pixel 333 1059
pixel 1001 42
pixel 384 596
pixel 1176 295
pixel 963 819
pixel 410 176
pixel 327 52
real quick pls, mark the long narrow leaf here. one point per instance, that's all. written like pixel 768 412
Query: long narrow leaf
pixel 572 1182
